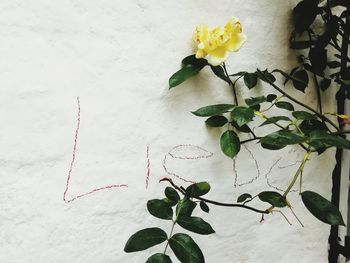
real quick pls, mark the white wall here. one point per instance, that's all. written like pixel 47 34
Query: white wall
pixel 117 57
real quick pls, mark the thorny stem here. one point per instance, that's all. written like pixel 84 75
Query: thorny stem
pixel 300 169
pixel 231 84
pixel 285 217
pixel 215 202
pixel 322 117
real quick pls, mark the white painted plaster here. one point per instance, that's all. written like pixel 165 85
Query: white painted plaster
pixel 117 57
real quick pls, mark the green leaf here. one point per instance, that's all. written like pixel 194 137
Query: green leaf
pixel 160 209
pixel 185 207
pixel 144 239
pixel 255 100
pixel 318 146
pixel 219 72
pixel 183 74
pixel 286 75
pixel 303 115
pixel 238 74
pixel 250 80
pixel 329 139
pixel 196 225
pixel 333 64
pixel 243 197
pixel 271 97
pixel 273 198
pixel 192 60
pixel 242 115
pixel 230 144
pixel 170 202
pixel 265 76
pixel 159 258
pixel 325 83
pixel 308 126
pixel 275 119
pixel 301 80
pixel 203 205
pixel 245 128
pixel 284 105
pixel 318 59
pixel 185 249
pixel 272 147
pixel 282 139
pixel 212 110
pixel 197 189
pixel 171 194
pixel 322 209
pixel 304 15
pixel 216 121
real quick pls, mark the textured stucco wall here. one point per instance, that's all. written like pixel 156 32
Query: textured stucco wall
pixel 117 57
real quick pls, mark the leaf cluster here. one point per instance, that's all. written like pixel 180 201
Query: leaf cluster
pixel 179 211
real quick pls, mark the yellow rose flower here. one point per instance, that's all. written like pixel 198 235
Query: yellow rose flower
pixel 214 44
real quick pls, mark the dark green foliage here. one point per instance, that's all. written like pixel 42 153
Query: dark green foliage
pixel 185 207
pixel 325 83
pixel 271 97
pixel 190 67
pixel 329 139
pixel 219 71
pixel 250 80
pixel 322 209
pixel 275 119
pixel 273 198
pixel 284 105
pixel 243 197
pixel 172 194
pixel 144 239
pixel 203 205
pixel 310 125
pixel 159 258
pixel 160 209
pixel 318 59
pixel 242 115
pixel 230 144
pixel 303 81
pixel 185 249
pixel 303 115
pixel 265 76
pixel 304 15
pixel 282 139
pixel 212 110
pixel 216 121
pixel 197 189
pixel 196 225
pixel 252 101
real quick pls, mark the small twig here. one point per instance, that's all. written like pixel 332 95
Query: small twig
pixel 296 216
pixel 285 217
pixel 215 202
pixel 252 139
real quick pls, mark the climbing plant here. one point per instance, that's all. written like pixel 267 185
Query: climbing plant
pixel 321 38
